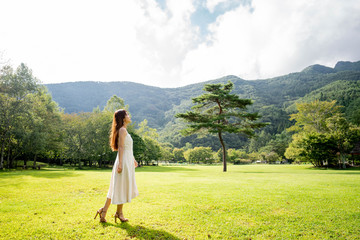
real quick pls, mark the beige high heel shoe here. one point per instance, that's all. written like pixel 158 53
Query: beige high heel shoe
pixel 100 212
pixel 119 216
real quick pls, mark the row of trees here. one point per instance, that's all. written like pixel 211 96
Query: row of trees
pixel 321 134
pixel 205 155
pixel 32 127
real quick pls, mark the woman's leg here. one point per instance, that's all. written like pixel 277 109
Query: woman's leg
pixel 119 208
pixel 119 213
pixel 105 208
pixel 102 211
pixel 107 204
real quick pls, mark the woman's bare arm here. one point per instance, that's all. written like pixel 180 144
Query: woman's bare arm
pixel 122 135
pixel 135 163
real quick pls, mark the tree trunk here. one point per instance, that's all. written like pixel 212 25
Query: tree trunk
pixel 9 153
pixel 34 164
pixel 343 158
pixel 224 151
pixel 2 155
pixel 9 159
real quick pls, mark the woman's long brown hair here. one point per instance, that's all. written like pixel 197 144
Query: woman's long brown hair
pixel 118 122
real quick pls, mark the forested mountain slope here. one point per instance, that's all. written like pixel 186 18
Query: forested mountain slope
pixel 274 97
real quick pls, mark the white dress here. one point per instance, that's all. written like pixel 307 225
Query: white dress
pixel 122 185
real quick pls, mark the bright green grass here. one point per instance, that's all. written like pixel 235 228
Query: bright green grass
pixel 188 202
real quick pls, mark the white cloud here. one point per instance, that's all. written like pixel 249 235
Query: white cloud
pixel 276 37
pixel 139 41
pixel 166 37
pixel 70 40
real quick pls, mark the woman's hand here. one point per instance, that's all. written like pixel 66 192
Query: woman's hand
pixel 119 169
pixel 136 163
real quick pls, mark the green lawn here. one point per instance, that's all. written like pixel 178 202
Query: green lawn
pixel 187 202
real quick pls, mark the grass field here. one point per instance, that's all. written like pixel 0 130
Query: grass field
pixel 185 202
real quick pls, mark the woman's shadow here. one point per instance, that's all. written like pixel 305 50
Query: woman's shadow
pixel 142 232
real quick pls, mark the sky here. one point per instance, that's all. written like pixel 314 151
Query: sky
pixel 173 43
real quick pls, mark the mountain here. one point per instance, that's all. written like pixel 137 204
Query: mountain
pixel 318 69
pixel 144 101
pixel 347 66
pixel 274 98
pixel 339 67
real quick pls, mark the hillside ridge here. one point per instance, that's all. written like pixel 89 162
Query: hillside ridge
pixel 155 103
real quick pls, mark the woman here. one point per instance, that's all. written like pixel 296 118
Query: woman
pixel 122 185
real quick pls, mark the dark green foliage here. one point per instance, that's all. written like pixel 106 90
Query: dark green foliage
pixel 345 92
pixel 217 111
pixel 28 118
pixel 318 69
pixel 178 154
pixel 152 151
pixel 139 146
pixel 318 148
pixel 145 102
pixel 278 118
pixel 200 155
pixel 322 134
pixel 279 143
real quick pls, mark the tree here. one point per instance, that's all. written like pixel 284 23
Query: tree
pixel 200 154
pixel 96 143
pixel 139 146
pixel 166 152
pixel 145 131
pixel 343 136
pixel 322 132
pixel 272 157
pixel 217 112
pixel 115 103
pixel 318 148
pixel 14 88
pixel 259 141
pixel 236 155
pixel 76 136
pixel 152 150
pixel 254 156
pixel 295 148
pixel 312 116
pixel 42 133
pixel 178 154
pixel 280 143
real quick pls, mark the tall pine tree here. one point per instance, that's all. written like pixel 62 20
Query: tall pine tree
pixel 218 111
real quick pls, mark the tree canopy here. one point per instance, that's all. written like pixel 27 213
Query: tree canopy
pixel 322 134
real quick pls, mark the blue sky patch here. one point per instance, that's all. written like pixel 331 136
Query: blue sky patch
pixel 202 17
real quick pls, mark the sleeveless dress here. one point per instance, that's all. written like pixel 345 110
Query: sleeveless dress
pixel 122 185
